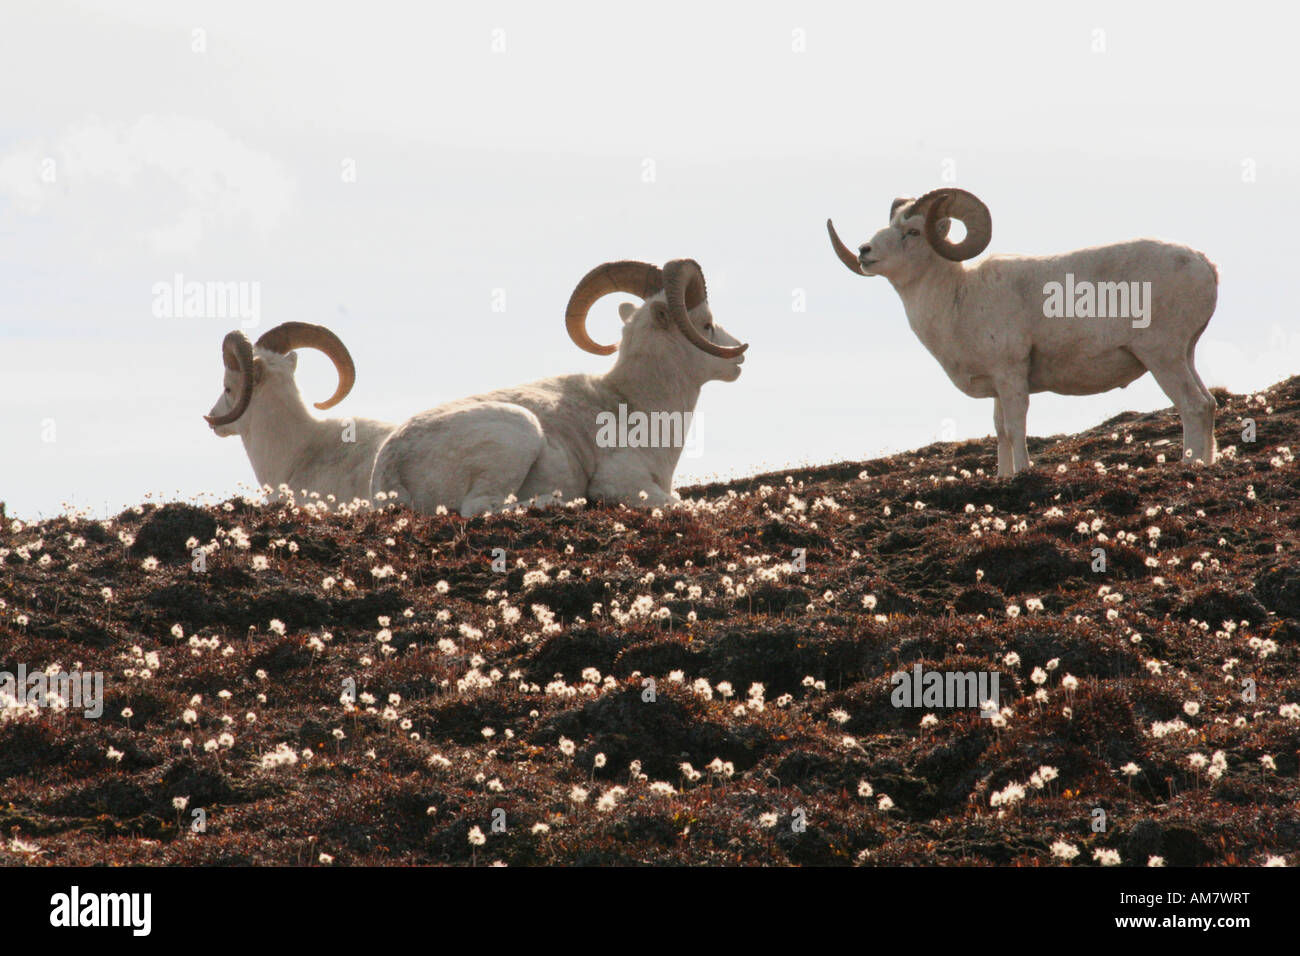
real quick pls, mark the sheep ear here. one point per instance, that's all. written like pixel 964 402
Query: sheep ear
pixel 660 310
pixel 893 207
pixel 259 369
pixel 941 228
pixel 625 311
pixel 293 361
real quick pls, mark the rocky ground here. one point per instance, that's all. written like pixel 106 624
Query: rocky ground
pixel 705 686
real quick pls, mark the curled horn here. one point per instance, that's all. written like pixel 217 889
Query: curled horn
pixel 949 203
pixel 288 336
pixel 635 278
pixel 684 289
pixel 237 353
pixel 843 251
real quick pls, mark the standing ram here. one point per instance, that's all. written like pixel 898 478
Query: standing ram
pixel 552 439
pixel 286 444
pixel 1080 323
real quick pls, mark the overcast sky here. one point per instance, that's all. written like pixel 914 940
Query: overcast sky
pixel 431 181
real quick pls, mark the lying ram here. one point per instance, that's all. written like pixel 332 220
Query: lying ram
pixel 1077 324
pixel 286 444
pixel 551 440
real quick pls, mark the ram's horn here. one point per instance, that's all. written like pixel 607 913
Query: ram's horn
pixel 684 289
pixel 237 353
pixel 288 336
pixel 640 279
pixel 949 203
pixel 846 256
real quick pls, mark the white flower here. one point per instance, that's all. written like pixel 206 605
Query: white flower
pixel 609 799
pixel 1064 851
pixel 1008 796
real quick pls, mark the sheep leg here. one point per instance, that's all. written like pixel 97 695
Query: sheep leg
pixel 613 477
pixel 655 497
pixel 1013 398
pixel 1208 408
pixel 1004 439
pixel 1195 405
pixel 507 467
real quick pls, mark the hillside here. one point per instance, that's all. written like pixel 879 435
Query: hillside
pixel 523 690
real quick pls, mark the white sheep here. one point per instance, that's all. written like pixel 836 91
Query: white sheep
pixel 1077 324
pixel 286 444
pixel 564 438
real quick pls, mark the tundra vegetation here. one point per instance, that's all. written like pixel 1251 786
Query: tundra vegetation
pixel 707 684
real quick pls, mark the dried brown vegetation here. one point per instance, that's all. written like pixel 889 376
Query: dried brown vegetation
pixel 1191 614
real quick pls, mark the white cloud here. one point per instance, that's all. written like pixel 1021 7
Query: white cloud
pixel 162 181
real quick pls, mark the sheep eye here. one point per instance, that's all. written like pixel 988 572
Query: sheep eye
pixel 914 232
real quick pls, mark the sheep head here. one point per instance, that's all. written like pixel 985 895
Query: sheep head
pixel 894 251
pixel 247 370
pixel 676 305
